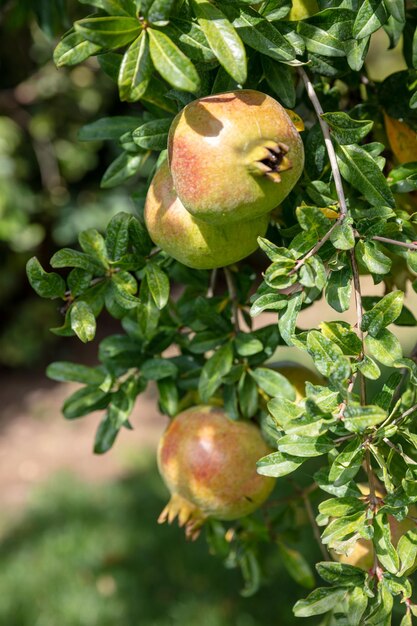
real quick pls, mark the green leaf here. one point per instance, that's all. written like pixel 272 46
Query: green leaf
pixel 305 446
pixel 339 289
pixel 158 283
pixel 168 396
pixel 341 573
pixel 287 321
pixel 247 344
pixel 248 396
pixel 108 128
pixel 361 171
pixel 222 38
pixel 83 322
pixel 284 410
pixel 92 243
pixel 369 368
pixel 85 401
pixel 359 418
pixel 135 69
pixel 273 383
pixel 280 79
pixel 268 302
pixel 385 551
pixel 370 255
pixel 407 620
pixel 339 507
pixel 347 463
pixel 345 129
pixel 342 527
pixel 109 32
pixel 78 281
pixel 66 257
pixel 64 371
pixel 160 12
pixel 105 436
pixel 214 369
pixel 371 16
pixel 343 237
pixel 117 236
pixel 261 35
pixel 278 464
pixel 328 356
pixel 407 551
pixel 319 41
pixel 157 369
pixel 153 135
pixel 383 313
pixel 171 63
pixel 139 237
pixel 123 167
pixel 319 601
pixel 46 284
pixel 342 334
pixel 113 7
pixel 74 49
pixel 384 346
pixel 296 566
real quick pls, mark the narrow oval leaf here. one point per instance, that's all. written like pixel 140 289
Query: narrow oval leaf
pixel 171 63
pixel 153 135
pixel 158 283
pixel 83 322
pixel 222 38
pixel 46 284
pixel 109 32
pixel 74 49
pixel 135 69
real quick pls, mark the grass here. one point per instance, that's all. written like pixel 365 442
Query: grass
pixel 84 555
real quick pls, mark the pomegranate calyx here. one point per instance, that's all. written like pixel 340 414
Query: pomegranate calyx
pixel 189 515
pixel 270 159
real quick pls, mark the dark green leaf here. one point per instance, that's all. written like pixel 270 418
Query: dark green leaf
pixel 157 369
pixel 296 565
pixel 384 347
pixel 153 135
pixel 213 371
pixel 371 16
pixel 46 284
pixel 370 255
pixel 341 574
pixel 117 236
pixel 359 418
pixel 123 167
pixel 135 69
pixel 222 38
pixel 84 401
pixel 361 171
pixel 74 49
pixel 319 601
pixel 273 383
pixel 383 313
pixel 65 371
pixel 158 284
pixel 339 289
pixel 108 128
pixel 305 446
pixel 345 129
pixel 280 79
pixel 171 63
pixel 109 32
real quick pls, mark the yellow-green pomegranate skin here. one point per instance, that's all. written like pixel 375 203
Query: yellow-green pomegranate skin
pixel 190 241
pixel 234 156
pixel 209 461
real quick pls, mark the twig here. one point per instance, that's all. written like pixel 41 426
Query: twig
pixel 212 285
pixel 333 163
pixel 398 451
pixel 404 415
pixel 395 242
pixel 370 474
pixel 315 527
pixel 233 297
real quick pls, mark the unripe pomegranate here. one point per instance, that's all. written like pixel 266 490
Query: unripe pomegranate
pixel 234 156
pixel 208 463
pixel 189 240
pixel 298 375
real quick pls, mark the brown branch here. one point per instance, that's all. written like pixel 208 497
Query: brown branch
pixel 395 242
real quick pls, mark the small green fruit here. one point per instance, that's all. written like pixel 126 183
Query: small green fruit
pixel 190 241
pixel 234 156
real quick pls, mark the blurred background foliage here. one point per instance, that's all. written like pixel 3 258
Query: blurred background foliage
pixel 49 183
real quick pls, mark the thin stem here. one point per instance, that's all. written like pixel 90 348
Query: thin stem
pixel 315 527
pixel 328 142
pixel 400 452
pixel 405 414
pixel 233 297
pixel 395 242
pixel 212 285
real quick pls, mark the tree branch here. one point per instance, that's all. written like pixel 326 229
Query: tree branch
pixel 233 297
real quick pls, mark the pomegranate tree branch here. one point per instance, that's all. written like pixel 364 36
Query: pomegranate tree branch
pixel 395 242
pixel 359 316
pixel 333 163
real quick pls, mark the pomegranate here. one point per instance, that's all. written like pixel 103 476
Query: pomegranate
pixel 208 463
pixel 234 156
pixel 189 240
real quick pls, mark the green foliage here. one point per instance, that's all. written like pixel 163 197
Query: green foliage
pixel 349 215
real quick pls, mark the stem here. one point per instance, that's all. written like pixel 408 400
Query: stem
pixel 315 527
pixel 212 285
pixel 329 145
pixel 370 474
pixel 402 454
pixel 395 242
pixel 405 414
pixel 233 297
